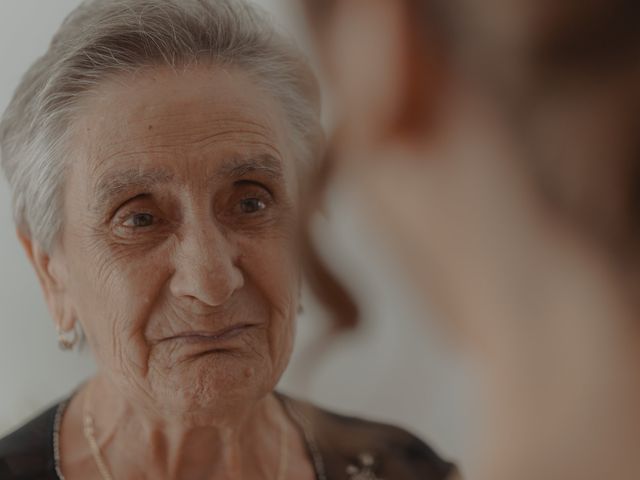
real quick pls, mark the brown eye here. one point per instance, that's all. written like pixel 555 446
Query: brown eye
pixel 252 205
pixel 139 220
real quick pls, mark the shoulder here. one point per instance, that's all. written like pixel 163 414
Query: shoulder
pixel 27 453
pixel 350 444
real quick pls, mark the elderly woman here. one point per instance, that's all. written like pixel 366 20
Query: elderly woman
pixel 155 154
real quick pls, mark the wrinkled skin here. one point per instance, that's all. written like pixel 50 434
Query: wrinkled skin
pixel 179 206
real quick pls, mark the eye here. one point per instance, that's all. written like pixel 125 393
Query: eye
pixel 139 220
pixel 251 205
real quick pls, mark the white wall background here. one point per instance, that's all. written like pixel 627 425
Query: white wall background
pixel 396 369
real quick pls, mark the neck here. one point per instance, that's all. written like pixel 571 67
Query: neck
pixel 136 443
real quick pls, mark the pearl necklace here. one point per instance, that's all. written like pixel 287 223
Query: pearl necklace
pixel 89 435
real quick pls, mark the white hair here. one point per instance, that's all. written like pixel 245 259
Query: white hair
pixel 106 37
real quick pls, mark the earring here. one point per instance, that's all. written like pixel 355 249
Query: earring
pixel 67 340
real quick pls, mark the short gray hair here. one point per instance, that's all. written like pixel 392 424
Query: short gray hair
pixel 105 37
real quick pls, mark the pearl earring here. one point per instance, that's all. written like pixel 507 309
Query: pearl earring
pixel 67 340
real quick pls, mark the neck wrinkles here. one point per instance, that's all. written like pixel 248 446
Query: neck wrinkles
pixel 133 441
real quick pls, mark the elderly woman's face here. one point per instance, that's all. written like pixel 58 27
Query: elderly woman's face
pixel 179 210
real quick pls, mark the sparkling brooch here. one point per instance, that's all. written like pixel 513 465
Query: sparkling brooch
pixel 364 468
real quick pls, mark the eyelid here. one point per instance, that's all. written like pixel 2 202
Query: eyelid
pixel 124 211
pixel 114 212
pixel 255 183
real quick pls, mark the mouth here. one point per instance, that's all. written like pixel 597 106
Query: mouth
pixel 214 337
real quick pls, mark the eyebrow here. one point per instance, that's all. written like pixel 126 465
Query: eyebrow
pixel 239 167
pixel 119 181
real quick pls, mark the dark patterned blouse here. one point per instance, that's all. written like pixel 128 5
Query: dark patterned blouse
pixel 339 448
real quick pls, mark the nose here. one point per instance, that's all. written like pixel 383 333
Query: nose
pixel 206 268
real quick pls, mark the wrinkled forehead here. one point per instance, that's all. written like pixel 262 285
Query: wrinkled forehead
pixel 199 116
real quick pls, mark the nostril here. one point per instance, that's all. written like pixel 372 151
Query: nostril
pixel 211 284
pixel 194 306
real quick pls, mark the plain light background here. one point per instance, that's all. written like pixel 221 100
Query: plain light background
pixel 396 369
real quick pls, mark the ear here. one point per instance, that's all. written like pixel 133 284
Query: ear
pixel 53 280
pixel 389 74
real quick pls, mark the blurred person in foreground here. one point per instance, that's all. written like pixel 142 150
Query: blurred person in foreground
pixel 156 154
pixel 496 147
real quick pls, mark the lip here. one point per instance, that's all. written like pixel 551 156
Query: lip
pixel 202 336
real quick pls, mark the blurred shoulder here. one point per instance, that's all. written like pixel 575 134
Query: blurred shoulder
pixel 347 444
pixel 27 453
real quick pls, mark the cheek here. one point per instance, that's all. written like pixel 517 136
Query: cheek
pixel 116 293
pixel 272 268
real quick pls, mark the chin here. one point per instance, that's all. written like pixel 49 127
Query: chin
pixel 213 386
